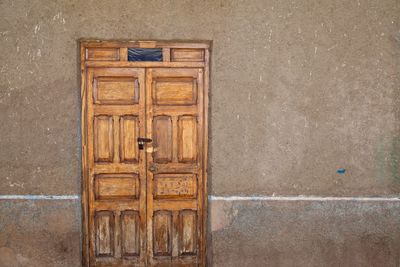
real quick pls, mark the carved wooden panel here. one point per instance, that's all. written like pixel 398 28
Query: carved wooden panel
pixel 129 132
pixel 116 90
pixel 187 232
pixel 102 54
pixel 104 222
pixel 162 233
pixel 187 55
pixel 130 233
pixel 175 186
pixel 175 91
pixel 162 139
pixel 187 138
pixel 103 139
pixel 116 186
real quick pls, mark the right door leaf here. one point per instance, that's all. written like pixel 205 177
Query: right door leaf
pixel 174 200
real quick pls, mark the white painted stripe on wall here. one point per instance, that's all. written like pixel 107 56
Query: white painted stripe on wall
pixel 224 198
pixel 39 197
pixel 302 198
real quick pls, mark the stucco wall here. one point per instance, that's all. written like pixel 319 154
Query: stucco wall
pixel 300 89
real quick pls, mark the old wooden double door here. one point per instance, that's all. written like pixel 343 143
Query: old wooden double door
pixel 144 156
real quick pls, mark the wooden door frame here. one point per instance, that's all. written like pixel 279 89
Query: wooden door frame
pixel 119 58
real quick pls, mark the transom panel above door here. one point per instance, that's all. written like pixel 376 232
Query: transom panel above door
pixel 144 153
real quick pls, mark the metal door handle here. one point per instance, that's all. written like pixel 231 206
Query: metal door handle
pixel 141 141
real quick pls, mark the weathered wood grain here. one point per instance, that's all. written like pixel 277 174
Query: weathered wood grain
pixel 144 207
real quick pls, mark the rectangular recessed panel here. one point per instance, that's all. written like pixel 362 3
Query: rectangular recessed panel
pixel 116 186
pixel 129 132
pixel 104 231
pixel 162 233
pixel 162 139
pixel 175 91
pixel 175 186
pixel 187 232
pixel 187 138
pixel 187 55
pixel 103 139
pixel 116 90
pixel 130 233
pixel 145 54
pixel 102 53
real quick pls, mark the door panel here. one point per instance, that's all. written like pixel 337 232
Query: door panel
pixel 174 177
pixel 116 90
pixel 175 186
pixel 104 223
pixel 174 91
pixel 103 139
pixel 162 233
pixel 116 186
pixel 188 232
pixel 117 177
pixel 187 138
pixel 162 139
pixel 130 227
pixel 129 132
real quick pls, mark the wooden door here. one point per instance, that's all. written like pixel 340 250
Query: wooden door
pixel 174 178
pixel 117 174
pixel 144 206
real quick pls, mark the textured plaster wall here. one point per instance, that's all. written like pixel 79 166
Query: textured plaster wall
pixel 300 89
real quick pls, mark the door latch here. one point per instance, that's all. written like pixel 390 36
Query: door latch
pixel 141 142
pixel 153 167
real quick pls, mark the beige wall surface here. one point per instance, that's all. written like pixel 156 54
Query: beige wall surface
pixel 299 90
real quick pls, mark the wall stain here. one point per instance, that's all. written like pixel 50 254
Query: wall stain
pixel 387 158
